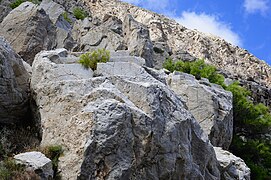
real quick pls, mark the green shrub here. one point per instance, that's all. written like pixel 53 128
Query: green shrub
pixel 197 68
pixel 79 13
pixel 19 2
pixel 66 17
pixel 16 3
pixel 90 60
pixel 53 153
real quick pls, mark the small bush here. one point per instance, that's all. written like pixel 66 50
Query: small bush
pixel 79 13
pixel 53 153
pixel 66 17
pixel 197 68
pixel 16 3
pixel 90 60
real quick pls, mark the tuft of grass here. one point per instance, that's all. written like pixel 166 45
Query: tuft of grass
pixel 54 152
pixel 66 17
pixel 79 13
pixel 19 2
pixel 90 60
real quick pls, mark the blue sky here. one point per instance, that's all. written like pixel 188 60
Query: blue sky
pixel 246 23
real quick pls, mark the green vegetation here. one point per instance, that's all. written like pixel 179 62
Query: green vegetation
pixel 79 13
pixel 53 153
pixel 90 60
pixel 66 17
pixel 16 3
pixel 19 2
pixel 197 68
pixel 251 121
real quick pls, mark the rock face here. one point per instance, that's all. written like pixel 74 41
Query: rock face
pixel 37 162
pixel 210 104
pixel 232 167
pixel 29 30
pixel 4 9
pixel 118 125
pixel 216 51
pixel 14 85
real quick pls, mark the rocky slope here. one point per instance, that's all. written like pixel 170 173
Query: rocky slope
pixel 126 120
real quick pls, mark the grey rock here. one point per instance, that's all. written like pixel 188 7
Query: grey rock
pixel 138 40
pixel 210 104
pixel 118 126
pixel 38 162
pixel 63 28
pixel 4 9
pixel 29 30
pixel 91 36
pixel 14 85
pixel 232 167
pixel 123 56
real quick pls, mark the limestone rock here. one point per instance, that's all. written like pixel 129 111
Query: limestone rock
pixel 232 167
pixel 210 104
pixel 119 126
pixel 63 28
pixel 138 40
pixel 91 36
pixel 4 9
pixel 37 162
pixel 14 85
pixel 29 30
pixel 233 59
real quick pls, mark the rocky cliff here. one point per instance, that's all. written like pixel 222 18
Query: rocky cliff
pixel 127 119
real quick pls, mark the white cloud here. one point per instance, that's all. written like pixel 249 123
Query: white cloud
pixel 254 6
pixel 209 24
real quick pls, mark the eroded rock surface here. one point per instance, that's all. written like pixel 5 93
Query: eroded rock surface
pixel 14 85
pixel 232 167
pixel 118 126
pixel 210 104
pixel 29 30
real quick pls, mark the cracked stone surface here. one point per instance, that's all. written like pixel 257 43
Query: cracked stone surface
pixel 209 103
pixel 118 126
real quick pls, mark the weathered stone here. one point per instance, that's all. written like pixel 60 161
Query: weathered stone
pixel 14 85
pixel 4 9
pixel 63 28
pixel 38 162
pixel 119 127
pixel 216 51
pixel 232 167
pixel 105 35
pixel 138 40
pixel 29 30
pixel 210 104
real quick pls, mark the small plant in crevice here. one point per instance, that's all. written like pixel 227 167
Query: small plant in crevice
pixel 79 13
pixel 90 59
pixel 53 152
pixel 17 3
pixel 66 17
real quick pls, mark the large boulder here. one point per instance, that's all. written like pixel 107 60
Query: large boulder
pixel 232 167
pixel 29 30
pixel 14 85
pixel 118 126
pixel 95 33
pixel 137 38
pixel 38 162
pixel 210 104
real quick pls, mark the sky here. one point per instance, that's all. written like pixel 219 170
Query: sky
pixel 244 23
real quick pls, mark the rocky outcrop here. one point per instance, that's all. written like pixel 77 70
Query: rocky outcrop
pixel 216 51
pixel 232 167
pixel 138 39
pixel 4 9
pixel 210 104
pixel 29 30
pixel 14 85
pixel 91 34
pixel 117 125
pixel 38 162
